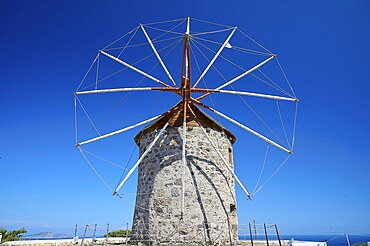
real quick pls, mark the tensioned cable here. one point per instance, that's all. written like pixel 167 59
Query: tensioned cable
pixel 83 79
pixel 96 172
pixel 141 60
pixel 142 44
pixel 211 32
pixel 237 48
pixel 262 169
pixel 287 80
pixel 294 126
pixel 163 30
pixel 209 22
pixel 282 124
pixel 128 42
pixel 166 21
pixel 167 31
pixel 271 175
pixel 120 38
pixel 260 45
pixel 277 86
pixel 103 159
pixel 75 119
pixel 255 113
pixel 97 72
pixel 88 117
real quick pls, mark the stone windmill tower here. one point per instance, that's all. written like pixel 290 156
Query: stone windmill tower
pixel 186 179
pixel 195 200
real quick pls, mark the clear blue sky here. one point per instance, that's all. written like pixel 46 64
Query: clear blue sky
pixel 46 47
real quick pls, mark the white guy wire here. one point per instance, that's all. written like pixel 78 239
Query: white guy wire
pixel 263 167
pixel 88 117
pixel 83 79
pixel 128 42
pixel 295 122
pixel 260 45
pixel 160 22
pixel 115 41
pixel 208 22
pixel 76 126
pixel 166 31
pixel 271 175
pixel 96 172
pixel 97 72
pixel 211 32
pixel 286 78
pixel 282 124
pixel 103 159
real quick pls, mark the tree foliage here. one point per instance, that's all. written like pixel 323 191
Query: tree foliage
pixel 119 233
pixel 11 235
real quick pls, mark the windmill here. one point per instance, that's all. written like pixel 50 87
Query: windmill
pixel 186 176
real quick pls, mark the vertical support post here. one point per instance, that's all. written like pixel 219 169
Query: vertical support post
pixel 83 237
pixel 250 233
pixel 347 240
pixel 278 235
pixel 255 229
pixel 126 241
pixel 93 238
pixel 106 236
pixel 75 238
pixel 267 238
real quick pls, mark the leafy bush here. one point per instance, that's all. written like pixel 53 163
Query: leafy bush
pixel 11 235
pixel 119 233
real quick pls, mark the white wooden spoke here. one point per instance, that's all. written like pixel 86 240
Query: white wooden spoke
pixel 157 54
pixel 141 158
pixel 121 90
pixel 250 130
pixel 134 68
pixel 244 93
pixel 225 162
pixel 119 131
pixel 215 57
pixel 245 73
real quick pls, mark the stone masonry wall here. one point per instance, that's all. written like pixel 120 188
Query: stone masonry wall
pixel 210 204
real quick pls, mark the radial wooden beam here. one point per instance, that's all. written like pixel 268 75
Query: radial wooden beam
pixel 215 57
pixel 239 77
pixel 135 69
pixel 157 55
pixel 245 93
pixel 243 126
pixel 221 156
pixel 141 157
pixel 119 131
pixel 127 90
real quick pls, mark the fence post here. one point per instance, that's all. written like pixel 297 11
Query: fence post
pixel 250 233
pixel 126 241
pixel 267 238
pixel 277 233
pixel 106 236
